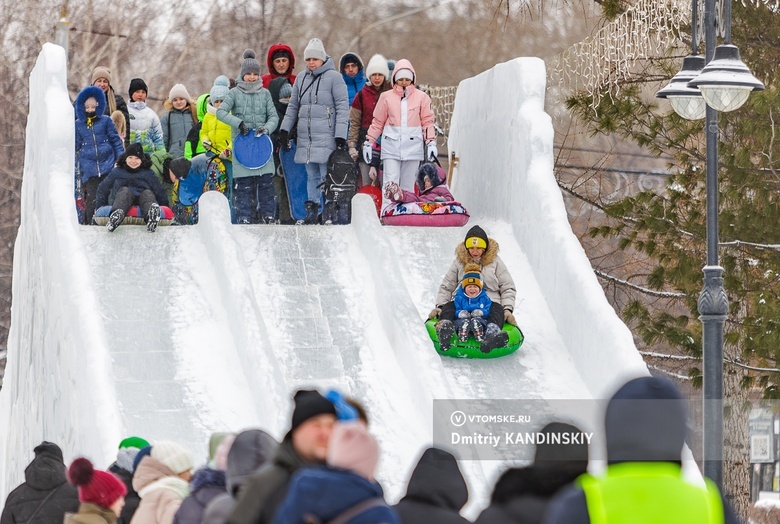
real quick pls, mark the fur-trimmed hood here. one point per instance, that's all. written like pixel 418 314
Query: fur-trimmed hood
pixel 487 257
pixel 86 93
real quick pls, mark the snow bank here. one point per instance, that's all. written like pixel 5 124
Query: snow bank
pixel 59 357
pixel 500 131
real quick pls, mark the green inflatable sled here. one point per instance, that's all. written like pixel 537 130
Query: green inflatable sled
pixel 470 348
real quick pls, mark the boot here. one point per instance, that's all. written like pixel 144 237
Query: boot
pixel 478 328
pixel 494 341
pixel 329 213
pixel 312 208
pixel 444 330
pixel 114 219
pixel 462 326
pixel 153 218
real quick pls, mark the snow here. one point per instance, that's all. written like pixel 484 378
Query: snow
pixel 210 328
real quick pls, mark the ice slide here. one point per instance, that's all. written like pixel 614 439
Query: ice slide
pixel 199 329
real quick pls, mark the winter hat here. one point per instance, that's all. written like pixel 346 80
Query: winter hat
pixel 378 64
pixel 350 58
pixel 100 488
pixel 472 276
pixel 179 91
pixel 476 237
pixel 180 167
pixel 280 53
pixel 285 92
pixel 143 452
pixel 352 447
pixel 101 72
pixel 250 64
pixel 137 84
pixel 220 88
pixel 128 449
pixel 221 453
pixel 548 451
pixel 315 49
pixel 428 170
pixel 309 404
pixel 172 455
pixel 50 449
pixel 404 73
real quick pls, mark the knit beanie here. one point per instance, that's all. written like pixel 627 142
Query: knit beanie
pixel 315 49
pixel 101 72
pixel 128 449
pixel 135 149
pixel 378 64
pixel 352 447
pixel 180 167
pixel 476 237
pixel 137 84
pixel 285 92
pixel 143 452
pixel 172 455
pixel 179 91
pixel 220 89
pixel 404 73
pixel 100 488
pixel 309 404
pixel 249 65
pixel 472 276
pixel 280 53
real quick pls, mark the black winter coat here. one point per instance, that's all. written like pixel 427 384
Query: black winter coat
pixel 44 476
pixel 132 499
pixel 436 491
pixel 205 485
pixel 120 177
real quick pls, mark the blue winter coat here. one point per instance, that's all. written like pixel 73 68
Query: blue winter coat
pixel 327 492
pixel 320 105
pixel 98 145
pixel 119 177
pixel 354 84
pixel 250 103
pixel 464 302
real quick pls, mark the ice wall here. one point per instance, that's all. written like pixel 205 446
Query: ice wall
pixel 56 379
pixel 499 130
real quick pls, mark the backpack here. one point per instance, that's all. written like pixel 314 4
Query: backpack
pixel 339 187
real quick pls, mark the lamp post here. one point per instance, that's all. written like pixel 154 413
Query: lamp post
pixel 724 84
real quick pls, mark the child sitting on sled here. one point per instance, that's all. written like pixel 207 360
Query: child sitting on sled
pixel 431 182
pixel 472 306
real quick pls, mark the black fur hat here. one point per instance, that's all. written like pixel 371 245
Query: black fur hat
pixel 428 170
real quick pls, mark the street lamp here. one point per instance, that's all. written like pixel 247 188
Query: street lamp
pixel 724 85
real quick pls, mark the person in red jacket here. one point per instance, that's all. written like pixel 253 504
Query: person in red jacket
pixel 281 62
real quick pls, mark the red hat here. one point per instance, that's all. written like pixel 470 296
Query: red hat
pixel 100 488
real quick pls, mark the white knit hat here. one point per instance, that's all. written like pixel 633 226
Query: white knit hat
pixel 403 73
pixel 315 49
pixel 179 91
pixel 378 64
pixel 172 455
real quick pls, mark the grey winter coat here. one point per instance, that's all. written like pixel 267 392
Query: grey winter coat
pixel 175 127
pixel 320 105
pixel 495 276
pixel 250 103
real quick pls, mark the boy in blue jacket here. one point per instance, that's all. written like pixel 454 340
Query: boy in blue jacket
pixel 472 305
pixel 131 182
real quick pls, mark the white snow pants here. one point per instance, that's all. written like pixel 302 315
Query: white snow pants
pixel 402 172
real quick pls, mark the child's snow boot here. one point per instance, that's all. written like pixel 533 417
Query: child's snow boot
pixel 153 218
pixel 114 219
pixel 444 330
pixel 478 328
pixel 312 209
pixel 462 326
pixel 494 340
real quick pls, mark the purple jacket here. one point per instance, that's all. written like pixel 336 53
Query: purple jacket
pixel 440 193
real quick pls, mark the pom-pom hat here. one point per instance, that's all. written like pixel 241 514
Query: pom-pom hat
pixel 472 277
pixel 100 488
pixel 250 64
pixel 220 88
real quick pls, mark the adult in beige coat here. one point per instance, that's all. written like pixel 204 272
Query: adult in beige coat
pixel 162 481
pixel 477 248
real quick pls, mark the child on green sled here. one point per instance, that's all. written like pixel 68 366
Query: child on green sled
pixel 472 307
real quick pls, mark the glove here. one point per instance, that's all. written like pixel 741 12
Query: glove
pixel 435 312
pixel 225 155
pixel 353 153
pixel 477 313
pixel 243 129
pixel 509 318
pixel 464 314
pixel 283 139
pixel 367 152
pixel 433 153
pixel 206 143
pixel 372 173
pixel 341 143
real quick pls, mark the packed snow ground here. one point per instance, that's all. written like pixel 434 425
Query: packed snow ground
pixel 209 328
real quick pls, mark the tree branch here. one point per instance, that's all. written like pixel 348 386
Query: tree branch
pixel 651 292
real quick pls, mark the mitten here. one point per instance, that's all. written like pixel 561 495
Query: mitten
pixel 435 312
pixel 477 313
pixel 367 152
pixel 509 318
pixel 464 314
pixel 243 129
pixel 433 152
pixel 353 153
pixel 341 143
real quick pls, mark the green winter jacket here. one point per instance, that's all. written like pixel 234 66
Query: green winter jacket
pixel 251 104
pixel 158 159
pixel 193 138
pixel 648 493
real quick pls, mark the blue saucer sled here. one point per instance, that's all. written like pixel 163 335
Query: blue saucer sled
pixel 470 348
pixel 253 151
